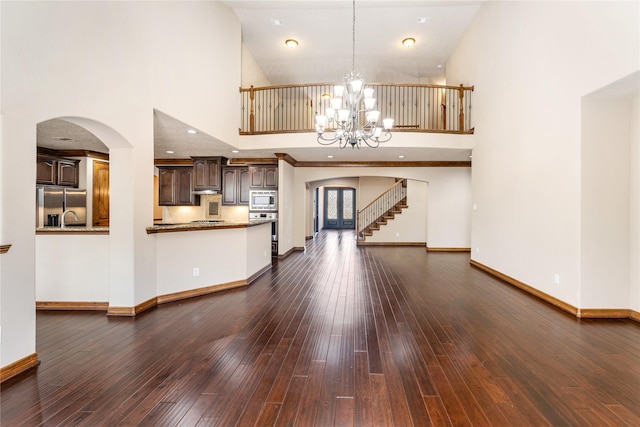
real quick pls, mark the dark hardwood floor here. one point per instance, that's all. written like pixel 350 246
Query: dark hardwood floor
pixel 336 335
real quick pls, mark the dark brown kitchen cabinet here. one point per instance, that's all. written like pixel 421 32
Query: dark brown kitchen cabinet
pixel 57 171
pixel 175 186
pixel 68 172
pixel 207 173
pixel 235 186
pixel 264 177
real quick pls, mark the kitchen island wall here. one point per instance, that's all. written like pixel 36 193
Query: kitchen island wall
pixel 224 258
pixel 72 267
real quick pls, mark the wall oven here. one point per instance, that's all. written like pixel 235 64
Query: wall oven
pixel 274 228
pixel 262 200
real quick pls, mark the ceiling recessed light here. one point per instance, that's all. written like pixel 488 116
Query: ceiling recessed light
pixel 291 43
pixel 401 156
pixel 275 21
pixel 439 65
pixel 408 42
pixel 169 152
pixel 192 131
pixel 423 20
pixel 235 151
pixel 62 138
pixel 330 157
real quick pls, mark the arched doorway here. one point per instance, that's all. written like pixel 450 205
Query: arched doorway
pixel 79 276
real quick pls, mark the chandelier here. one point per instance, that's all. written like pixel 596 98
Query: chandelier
pixel 351 119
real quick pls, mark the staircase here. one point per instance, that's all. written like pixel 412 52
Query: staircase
pixel 382 210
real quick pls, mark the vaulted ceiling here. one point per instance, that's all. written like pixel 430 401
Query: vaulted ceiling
pixel 324 30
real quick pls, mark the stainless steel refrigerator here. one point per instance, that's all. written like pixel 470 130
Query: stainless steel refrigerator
pixel 52 202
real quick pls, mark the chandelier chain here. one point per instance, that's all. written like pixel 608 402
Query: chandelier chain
pixel 353 34
pixel 342 121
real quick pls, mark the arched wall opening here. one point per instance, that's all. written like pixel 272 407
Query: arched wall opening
pixel 408 227
pixel 448 213
pixel 77 269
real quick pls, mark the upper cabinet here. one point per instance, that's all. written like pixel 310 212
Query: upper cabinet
pixel 263 177
pixel 235 185
pixel 175 186
pixel 207 173
pixel 52 170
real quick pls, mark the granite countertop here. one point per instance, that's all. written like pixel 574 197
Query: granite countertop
pixel 72 229
pixel 195 226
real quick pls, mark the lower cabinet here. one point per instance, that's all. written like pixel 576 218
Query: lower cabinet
pixel 235 186
pixel 176 186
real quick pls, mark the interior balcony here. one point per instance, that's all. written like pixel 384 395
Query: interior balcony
pixel 431 122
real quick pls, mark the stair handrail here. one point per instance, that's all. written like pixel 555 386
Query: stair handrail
pixel 380 206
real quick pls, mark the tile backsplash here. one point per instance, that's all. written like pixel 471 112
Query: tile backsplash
pixel 182 214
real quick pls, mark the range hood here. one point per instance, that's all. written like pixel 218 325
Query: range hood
pixel 204 192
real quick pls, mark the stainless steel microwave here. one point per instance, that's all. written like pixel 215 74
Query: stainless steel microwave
pixel 263 200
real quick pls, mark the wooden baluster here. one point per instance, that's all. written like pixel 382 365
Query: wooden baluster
pixel 443 106
pixel 252 114
pixel 461 116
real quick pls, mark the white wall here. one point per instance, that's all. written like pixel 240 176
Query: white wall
pixel 286 207
pixel 634 208
pixel 531 62
pixel 252 75
pixel 113 63
pixel 605 203
pixel 370 187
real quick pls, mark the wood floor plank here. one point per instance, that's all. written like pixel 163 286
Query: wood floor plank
pixel 382 415
pixel 437 412
pixel 345 412
pixel 289 408
pixel 310 397
pixel 336 335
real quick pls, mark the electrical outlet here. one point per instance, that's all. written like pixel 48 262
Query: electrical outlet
pixel 398 234
pixel 556 279
pixel 196 272
pixel 477 249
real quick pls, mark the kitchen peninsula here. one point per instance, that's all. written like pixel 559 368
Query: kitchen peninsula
pixel 192 259
pixel 202 257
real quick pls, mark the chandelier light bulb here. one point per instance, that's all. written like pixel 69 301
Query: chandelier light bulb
pixel 356 85
pixel 330 113
pixel 373 116
pixel 369 103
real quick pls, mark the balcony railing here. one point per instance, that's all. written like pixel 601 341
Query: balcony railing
pixel 414 107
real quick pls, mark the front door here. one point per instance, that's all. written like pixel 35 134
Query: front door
pixel 339 208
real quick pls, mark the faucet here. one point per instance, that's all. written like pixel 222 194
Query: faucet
pixel 75 215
